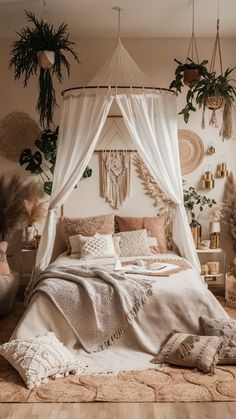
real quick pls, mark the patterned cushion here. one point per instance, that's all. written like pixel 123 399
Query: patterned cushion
pixel 134 243
pixel 226 328
pixel 103 224
pixel 98 246
pixel 217 327
pixel 40 357
pixel 155 227
pixel 4 267
pixel 191 351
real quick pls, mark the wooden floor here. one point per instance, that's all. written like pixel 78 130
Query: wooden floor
pixel 219 410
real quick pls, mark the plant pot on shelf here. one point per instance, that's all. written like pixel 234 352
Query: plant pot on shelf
pixel 191 77
pixel 46 59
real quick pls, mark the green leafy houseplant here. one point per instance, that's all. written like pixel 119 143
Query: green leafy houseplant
pixel 24 58
pixel 193 200
pixel 188 74
pixel 42 162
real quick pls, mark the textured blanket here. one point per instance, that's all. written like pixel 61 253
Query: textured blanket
pixel 98 303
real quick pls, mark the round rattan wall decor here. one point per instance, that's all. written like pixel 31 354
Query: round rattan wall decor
pixel 191 150
pixel 17 131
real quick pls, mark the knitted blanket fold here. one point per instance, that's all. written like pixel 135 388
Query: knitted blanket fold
pixel 98 303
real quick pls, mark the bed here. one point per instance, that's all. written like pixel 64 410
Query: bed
pixel 177 302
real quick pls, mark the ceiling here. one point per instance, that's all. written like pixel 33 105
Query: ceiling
pixel 139 18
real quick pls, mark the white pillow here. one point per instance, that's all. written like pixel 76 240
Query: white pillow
pixel 134 243
pixel 40 357
pixel 98 246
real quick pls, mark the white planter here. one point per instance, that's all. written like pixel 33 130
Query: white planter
pixel 46 59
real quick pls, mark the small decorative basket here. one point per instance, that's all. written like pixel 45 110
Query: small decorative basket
pixel 230 289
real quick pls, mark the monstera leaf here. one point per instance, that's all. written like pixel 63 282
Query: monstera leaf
pixel 32 161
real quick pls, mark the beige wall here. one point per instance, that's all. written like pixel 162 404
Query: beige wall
pixel 155 57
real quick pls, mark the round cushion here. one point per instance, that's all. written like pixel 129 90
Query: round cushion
pixel 9 285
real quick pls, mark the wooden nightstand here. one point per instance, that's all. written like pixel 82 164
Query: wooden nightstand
pixel 27 264
pixel 215 282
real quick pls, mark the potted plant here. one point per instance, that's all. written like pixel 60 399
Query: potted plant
pixel 213 92
pixel 193 201
pixel 188 74
pixel 41 49
pixel 42 162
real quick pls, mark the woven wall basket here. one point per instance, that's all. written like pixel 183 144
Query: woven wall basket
pixel 191 150
pixel 17 132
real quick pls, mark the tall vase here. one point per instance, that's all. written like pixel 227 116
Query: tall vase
pixel 196 230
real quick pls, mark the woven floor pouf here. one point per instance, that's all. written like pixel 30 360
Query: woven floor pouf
pixel 9 285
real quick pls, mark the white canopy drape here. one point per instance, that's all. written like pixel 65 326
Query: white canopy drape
pixel 151 120
pixel 81 123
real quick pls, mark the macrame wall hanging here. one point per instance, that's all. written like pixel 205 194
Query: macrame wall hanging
pixel 115 176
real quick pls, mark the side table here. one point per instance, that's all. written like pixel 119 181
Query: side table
pixel 215 282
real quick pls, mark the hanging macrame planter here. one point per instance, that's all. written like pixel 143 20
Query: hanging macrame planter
pixel 220 93
pixel 41 50
pixel 192 75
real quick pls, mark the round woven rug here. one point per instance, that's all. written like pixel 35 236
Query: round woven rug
pixel 17 132
pixel 191 150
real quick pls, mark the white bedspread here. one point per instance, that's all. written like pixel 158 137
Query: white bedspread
pixel 176 303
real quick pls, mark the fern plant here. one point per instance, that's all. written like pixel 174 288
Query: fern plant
pixel 23 58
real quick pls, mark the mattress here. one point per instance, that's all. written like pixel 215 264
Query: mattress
pixel 176 303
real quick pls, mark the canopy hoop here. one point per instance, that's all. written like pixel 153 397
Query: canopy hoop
pixel 118 87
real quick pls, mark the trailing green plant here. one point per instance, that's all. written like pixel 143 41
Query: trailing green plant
pixel 42 162
pixel 42 36
pixel 210 85
pixel 194 201
pixel 178 82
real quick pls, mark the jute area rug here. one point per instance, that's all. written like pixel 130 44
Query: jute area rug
pixel 165 384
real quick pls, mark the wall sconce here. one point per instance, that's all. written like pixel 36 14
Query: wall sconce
pixel 207 181
pixel 222 170
pixel 211 149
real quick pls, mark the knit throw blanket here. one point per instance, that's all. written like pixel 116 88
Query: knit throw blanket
pixel 98 303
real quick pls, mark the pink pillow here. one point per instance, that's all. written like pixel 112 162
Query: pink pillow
pixel 155 227
pixel 4 267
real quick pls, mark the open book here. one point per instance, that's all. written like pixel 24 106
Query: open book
pixel 144 267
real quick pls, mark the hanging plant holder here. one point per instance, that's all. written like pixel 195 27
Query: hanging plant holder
pixel 40 50
pixel 214 102
pixel 191 77
pixel 46 59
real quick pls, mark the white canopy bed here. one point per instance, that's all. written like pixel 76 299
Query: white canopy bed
pixel 150 116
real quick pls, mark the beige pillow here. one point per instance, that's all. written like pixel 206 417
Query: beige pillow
pixel 98 246
pixel 133 243
pixel 103 224
pixel 155 227
pixel 40 357
pixel 188 350
pixel 227 329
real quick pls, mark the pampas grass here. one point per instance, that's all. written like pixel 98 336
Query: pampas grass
pixel 14 193
pixel 229 207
